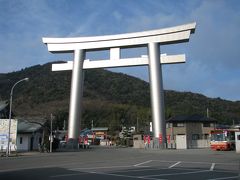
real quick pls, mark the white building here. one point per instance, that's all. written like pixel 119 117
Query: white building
pixel 24 136
pixel 29 136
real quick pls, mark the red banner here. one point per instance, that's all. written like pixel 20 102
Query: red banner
pixel 169 138
pixel 160 138
pixel 144 138
pixel 149 139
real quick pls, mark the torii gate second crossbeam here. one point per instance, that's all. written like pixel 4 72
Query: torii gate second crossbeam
pixel 151 39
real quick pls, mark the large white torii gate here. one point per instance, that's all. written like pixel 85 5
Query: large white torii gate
pixel 150 39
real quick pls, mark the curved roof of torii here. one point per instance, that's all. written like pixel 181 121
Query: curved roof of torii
pixel 170 35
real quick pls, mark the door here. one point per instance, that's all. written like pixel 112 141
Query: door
pixel 181 142
pixel 31 143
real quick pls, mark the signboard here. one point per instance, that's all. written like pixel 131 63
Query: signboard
pixel 151 129
pixel 4 127
pixel 160 138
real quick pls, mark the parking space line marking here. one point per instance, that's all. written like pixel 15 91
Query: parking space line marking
pixel 225 178
pixel 199 162
pixel 174 164
pixel 126 176
pixel 173 174
pixel 145 162
pixel 66 175
pixel 135 170
pixel 101 167
pixel 212 166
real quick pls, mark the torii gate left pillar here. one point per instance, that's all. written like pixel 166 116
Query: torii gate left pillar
pixel 151 39
pixel 75 109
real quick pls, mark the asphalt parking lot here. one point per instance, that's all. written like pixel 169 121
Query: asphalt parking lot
pixel 123 163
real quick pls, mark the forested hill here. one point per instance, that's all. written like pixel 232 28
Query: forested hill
pixel 111 99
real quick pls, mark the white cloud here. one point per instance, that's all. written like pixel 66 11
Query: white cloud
pixel 84 28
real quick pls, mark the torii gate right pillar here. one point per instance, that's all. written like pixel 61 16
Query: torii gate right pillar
pixel 157 93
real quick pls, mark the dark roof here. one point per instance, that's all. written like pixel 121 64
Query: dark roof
pixel 27 127
pixel 86 132
pixel 100 129
pixel 3 105
pixel 191 118
pixel 4 110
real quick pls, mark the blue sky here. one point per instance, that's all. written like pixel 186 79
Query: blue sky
pixel 213 53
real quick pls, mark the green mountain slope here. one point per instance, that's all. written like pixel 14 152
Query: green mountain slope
pixel 110 99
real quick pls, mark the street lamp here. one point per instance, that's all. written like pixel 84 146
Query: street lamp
pixel 10 115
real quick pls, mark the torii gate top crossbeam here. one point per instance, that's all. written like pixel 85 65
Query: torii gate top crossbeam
pixel 171 35
pixel 141 61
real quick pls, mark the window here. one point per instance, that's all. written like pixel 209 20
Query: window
pixel 178 124
pixel 206 136
pixel 40 140
pixel 206 125
pixel 167 125
pixel 218 137
pixel 21 140
pixel 231 136
pixel 238 137
pixel 195 137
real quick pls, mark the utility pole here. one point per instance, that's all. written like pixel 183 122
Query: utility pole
pixel 137 124
pixel 92 124
pixel 8 150
pixel 51 138
pixel 64 125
